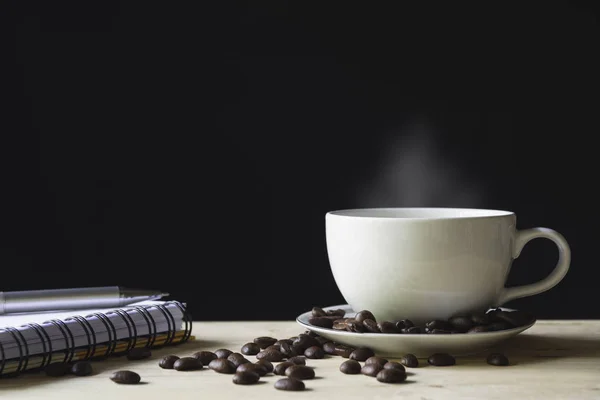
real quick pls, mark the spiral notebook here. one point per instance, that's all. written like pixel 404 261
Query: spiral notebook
pixel 34 340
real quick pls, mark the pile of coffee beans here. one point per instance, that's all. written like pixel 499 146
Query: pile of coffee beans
pixel 364 321
pixel 290 355
pixel 377 367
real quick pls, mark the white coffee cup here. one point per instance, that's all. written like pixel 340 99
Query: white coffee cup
pixel 431 263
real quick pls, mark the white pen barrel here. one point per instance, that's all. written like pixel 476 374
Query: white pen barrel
pixel 59 299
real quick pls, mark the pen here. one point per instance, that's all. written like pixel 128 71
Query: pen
pixel 73 299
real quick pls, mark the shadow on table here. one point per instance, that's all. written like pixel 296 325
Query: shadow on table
pixel 32 378
pixel 533 349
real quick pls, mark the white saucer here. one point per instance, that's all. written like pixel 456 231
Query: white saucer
pixel 421 345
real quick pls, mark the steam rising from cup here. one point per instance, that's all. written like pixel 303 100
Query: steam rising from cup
pixel 415 172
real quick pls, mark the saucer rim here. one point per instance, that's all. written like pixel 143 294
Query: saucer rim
pixel 457 336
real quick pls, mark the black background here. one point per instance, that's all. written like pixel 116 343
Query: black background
pixel 195 148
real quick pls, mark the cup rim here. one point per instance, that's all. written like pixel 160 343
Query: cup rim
pixel 435 213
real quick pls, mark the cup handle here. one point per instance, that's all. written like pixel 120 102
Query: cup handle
pixel 559 272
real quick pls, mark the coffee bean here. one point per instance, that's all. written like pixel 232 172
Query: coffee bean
pixel 167 361
pixel 365 314
pixel 329 348
pixel 237 359
pixel 394 365
pixel 333 317
pixel 499 326
pixel 125 377
pixel 371 369
pixel 343 320
pixel 222 366
pixel 293 338
pixel 441 359
pixel 480 319
pixel 273 347
pixel 504 316
pixel 57 369
pixel 305 339
pixel 270 355
pixel 256 368
pixel 371 326
pixel 264 341
pixel 407 323
pixel 492 314
pixel 391 376
pixel 322 322
pixel 312 333
pixel 287 350
pixel 515 318
pixel 461 323
pixel 298 360
pixel 318 312
pixel 245 378
pixel 260 369
pixel 387 327
pixel 314 352
pixel 497 359
pixel 355 326
pixel 439 324
pixel 187 364
pixel 341 326
pixel 479 328
pixel 222 353
pixel 297 350
pixel 322 340
pixel 350 367
pixel 304 342
pixel 301 372
pixel 412 330
pixel 339 312
pixel 343 350
pixel 81 368
pixel 290 384
pixel 375 360
pixel 410 361
pixel 267 364
pixel 205 357
pixel 281 341
pixel 361 354
pixel 139 353
pixel 281 367
pixel 250 349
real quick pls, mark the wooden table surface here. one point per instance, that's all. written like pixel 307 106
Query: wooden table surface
pixel 552 360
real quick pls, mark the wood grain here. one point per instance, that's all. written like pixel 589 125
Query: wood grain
pixel 552 360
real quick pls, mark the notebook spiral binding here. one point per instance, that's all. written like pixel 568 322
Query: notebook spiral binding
pixel 91 347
